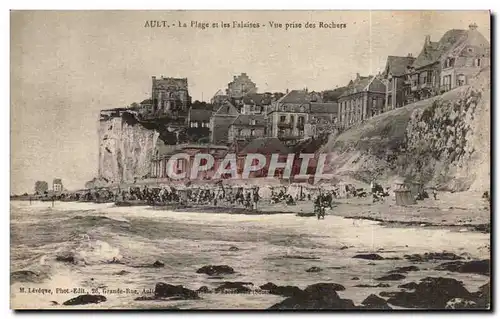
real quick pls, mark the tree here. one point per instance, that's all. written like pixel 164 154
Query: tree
pixel 41 187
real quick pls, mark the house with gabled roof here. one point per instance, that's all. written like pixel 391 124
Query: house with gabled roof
pixel 288 116
pixel 220 122
pixel 464 59
pixel 394 74
pixel 256 103
pixel 443 65
pixel 364 98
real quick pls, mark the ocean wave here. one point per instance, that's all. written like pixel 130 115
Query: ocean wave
pixel 84 250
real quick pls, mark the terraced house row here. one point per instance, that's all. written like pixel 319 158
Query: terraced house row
pixel 439 67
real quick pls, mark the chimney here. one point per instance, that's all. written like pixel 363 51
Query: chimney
pixel 473 26
pixel 410 55
pixel 286 91
pixel 427 39
pixel 357 76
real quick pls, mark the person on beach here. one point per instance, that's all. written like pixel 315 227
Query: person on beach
pixel 434 193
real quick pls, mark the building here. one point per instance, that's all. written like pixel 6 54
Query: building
pixel 247 127
pixel 464 59
pixel 364 98
pixel 394 75
pixel 169 97
pixel 444 65
pixel 199 125
pixel 220 122
pixel 57 185
pixel 287 116
pixel 199 118
pixel 323 118
pixel 240 86
pixel 256 103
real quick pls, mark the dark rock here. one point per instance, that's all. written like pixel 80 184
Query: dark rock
pixel 145 298
pixel 54 303
pixel 163 290
pixel 66 257
pixel 216 277
pixel 411 285
pixel 84 300
pixel 371 264
pixel 233 248
pixel 323 288
pixel 286 291
pixel 158 264
pixel 481 267
pixel 380 285
pixel 375 302
pixel 483 296
pixel 355 278
pixel 326 298
pixel 203 290
pixel 314 269
pixel 431 293
pixel 405 269
pixel 121 273
pixel 369 256
pixel 234 287
pixel 214 270
pixel 344 247
pixel 432 256
pixel 268 286
pixel 392 258
pixel 391 277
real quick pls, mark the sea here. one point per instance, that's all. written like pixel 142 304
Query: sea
pixel 114 249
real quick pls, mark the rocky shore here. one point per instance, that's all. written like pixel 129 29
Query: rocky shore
pixel 427 293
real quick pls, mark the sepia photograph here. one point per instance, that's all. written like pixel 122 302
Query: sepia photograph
pixel 250 160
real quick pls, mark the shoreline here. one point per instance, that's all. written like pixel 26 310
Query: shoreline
pixel 389 216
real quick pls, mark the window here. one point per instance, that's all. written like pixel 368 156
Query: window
pixel 194 124
pixel 292 118
pixel 423 78
pixel 283 118
pixel 252 122
pixel 477 62
pixel 461 80
pixel 429 77
pixel 252 132
pixel 239 132
pixel 449 62
pixel 414 80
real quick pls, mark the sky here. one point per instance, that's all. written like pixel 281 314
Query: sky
pixel 68 65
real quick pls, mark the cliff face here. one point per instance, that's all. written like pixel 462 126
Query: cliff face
pixel 443 141
pixel 125 150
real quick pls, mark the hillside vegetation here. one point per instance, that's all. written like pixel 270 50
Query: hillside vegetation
pixel 443 142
